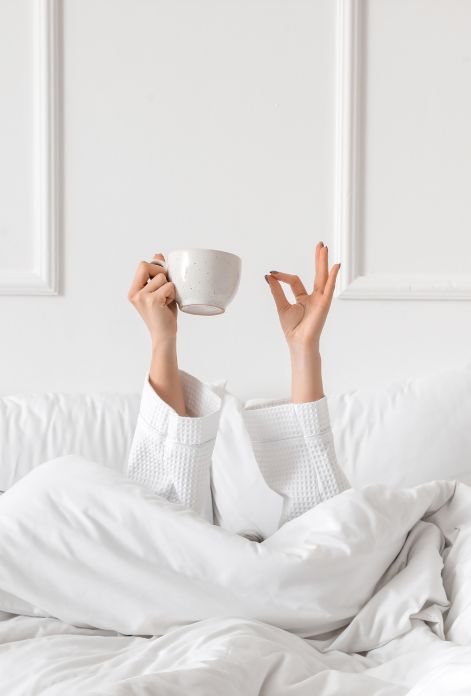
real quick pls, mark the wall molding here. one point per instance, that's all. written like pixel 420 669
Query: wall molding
pixel 349 181
pixel 43 279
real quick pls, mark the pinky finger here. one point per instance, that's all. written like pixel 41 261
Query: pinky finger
pixel 166 294
pixel 331 280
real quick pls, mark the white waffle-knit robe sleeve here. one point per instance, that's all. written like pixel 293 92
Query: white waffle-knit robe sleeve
pixel 171 454
pixel 292 444
pixel 294 448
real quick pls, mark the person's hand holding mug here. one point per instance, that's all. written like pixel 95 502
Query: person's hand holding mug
pixel 198 281
pixel 153 295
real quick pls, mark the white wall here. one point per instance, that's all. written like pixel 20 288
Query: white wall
pixel 211 123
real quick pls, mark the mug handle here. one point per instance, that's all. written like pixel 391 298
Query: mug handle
pixel 159 262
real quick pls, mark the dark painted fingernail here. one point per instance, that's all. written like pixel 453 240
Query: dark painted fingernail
pixel 266 278
pixel 274 271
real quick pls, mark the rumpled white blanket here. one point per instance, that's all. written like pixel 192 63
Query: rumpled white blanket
pixel 108 589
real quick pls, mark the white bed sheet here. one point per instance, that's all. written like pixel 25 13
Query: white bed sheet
pixel 220 656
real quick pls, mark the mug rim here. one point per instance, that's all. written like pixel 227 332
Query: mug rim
pixel 217 251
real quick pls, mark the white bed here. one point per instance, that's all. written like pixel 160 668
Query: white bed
pixel 115 592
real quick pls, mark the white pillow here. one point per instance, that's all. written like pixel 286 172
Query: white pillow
pixel 407 433
pixel 401 435
pixel 37 427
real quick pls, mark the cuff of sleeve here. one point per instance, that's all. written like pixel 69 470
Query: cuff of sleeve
pixel 203 406
pixel 282 419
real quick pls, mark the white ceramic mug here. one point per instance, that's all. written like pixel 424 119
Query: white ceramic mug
pixel 206 280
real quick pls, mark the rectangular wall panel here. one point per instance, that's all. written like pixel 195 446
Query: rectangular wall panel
pixel 29 137
pixel 404 149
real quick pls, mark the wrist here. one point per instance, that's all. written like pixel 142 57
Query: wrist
pixel 300 352
pixel 164 346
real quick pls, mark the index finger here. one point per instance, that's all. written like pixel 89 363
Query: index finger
pixel 279 296
pixel 293 281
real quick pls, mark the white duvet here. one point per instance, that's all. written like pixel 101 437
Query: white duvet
pixel 107 589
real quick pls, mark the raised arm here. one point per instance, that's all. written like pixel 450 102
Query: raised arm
pixel 302 323
pixel 153 295
pixel 292 441
pixel 178 417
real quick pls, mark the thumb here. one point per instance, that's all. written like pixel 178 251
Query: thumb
pixel 278 293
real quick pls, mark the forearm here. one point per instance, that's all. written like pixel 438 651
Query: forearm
pixel 306 374
pixel 164 376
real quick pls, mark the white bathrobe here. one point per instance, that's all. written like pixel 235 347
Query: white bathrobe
pixel 290 445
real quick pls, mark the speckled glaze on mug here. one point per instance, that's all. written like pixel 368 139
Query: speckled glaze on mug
pixel 206 280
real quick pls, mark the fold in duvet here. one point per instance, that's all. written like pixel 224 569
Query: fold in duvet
pixel 105 588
